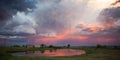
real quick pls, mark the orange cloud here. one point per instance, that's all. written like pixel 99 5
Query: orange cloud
pixel 56 38
pixel 62 36
pixel 93 27
pixel 96 29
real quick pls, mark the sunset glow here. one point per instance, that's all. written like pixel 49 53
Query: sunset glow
pixel 60 22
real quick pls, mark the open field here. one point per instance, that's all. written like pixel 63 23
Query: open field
pixel 92 53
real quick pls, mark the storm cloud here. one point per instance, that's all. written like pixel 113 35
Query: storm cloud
pixel 9 8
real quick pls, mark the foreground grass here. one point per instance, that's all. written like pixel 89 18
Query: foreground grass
pixel 91 54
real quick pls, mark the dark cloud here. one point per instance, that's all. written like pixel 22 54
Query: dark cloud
pixel 10 33
pixel 110 16
pixel 15 41
pixel 111 12
pixel 50 20
pixel 110 32
pixel 9 8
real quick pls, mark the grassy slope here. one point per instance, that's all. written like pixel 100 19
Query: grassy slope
pixel 91 54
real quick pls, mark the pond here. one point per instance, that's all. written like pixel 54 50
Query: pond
pixel 57 52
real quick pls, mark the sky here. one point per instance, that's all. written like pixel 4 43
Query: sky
pixel 60 22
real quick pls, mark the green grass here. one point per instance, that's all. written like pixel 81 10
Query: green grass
pixel 91 54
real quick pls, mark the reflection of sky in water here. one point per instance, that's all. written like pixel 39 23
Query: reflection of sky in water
pixel 59 52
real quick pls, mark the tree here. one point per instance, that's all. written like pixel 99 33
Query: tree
pixel 98 46
pixel 51 46
pixel 42 45
pixel 68 46
pixel 16 46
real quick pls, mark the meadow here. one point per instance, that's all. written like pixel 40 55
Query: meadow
pixel 92 53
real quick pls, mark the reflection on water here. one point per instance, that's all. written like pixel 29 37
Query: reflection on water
pixel 58 52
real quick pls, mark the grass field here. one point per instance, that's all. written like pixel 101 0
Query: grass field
pixel 92 53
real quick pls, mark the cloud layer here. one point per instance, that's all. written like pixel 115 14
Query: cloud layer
pixel 59 22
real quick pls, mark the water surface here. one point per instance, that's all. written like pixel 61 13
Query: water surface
pixel 58 52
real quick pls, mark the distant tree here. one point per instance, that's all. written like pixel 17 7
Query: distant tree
pixel 98 46
pixel 16 46
pixel 68 46
pixel 51 46
pixel 42 45
pixel 115 47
